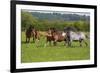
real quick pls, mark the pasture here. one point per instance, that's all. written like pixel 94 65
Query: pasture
pixel 36 52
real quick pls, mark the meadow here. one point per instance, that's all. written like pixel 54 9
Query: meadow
pixel 36 52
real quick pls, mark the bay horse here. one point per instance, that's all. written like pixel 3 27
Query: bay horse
pixel 55 36
pixel 32 32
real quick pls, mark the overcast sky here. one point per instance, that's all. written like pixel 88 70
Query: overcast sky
pixel 61 12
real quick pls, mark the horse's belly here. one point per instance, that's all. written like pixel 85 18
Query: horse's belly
pixel 59 40
pixel 76 37
pixel 49 38
pixel 76 40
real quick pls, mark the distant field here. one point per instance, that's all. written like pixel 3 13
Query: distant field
pixel 36 52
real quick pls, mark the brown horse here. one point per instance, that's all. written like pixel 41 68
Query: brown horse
pixel 55 36
pixel 32 32
pixel 49 37
pixel 58 36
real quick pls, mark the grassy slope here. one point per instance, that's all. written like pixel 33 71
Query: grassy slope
pixel 32 53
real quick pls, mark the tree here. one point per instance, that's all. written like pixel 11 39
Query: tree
pixel 27 19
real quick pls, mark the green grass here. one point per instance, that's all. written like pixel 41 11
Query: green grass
pixel 36 52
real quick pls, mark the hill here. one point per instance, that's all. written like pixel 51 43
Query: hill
pixel 59 16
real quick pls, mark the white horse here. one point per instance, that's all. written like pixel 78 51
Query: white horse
pixel 79 36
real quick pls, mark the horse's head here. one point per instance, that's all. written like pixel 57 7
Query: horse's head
pixel 51 31
pixel 31 27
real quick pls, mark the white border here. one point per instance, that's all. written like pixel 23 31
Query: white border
pixel 20 65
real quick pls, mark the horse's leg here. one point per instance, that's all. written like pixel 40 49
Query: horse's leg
pixel 37 42
pixel 33 34
pixel 66 42
pixel 33 39
pixel 69 42
pixel 26 39
pixel 50 43
pixel 55 42
pixel 46 42
pixel 80 41
pixel 85 43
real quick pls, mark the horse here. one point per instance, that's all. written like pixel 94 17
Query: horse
pixel 73 36
pixel 49 37
pixel 55 36
pixel 32 32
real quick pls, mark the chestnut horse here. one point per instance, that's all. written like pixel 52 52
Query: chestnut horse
pixel 55 36
pixel 32 32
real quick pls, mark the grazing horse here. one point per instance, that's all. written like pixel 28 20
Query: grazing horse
pixel 73 36
pixel 55 36
pixel 32 32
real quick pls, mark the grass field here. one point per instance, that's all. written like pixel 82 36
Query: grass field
pixel 33 53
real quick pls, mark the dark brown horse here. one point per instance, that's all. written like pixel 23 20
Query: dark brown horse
pixel 32 32
pixel 55 36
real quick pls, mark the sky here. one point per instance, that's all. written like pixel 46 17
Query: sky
pixel 61 12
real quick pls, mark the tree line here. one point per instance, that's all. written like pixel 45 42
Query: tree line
pixel 28 19
pixel 61 16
